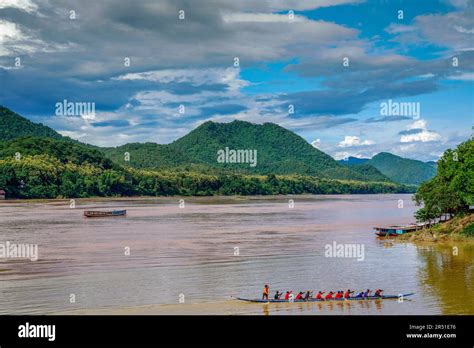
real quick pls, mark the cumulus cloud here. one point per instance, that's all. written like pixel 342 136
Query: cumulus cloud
pixel 316 143
pixel 351 140
pixel 417 132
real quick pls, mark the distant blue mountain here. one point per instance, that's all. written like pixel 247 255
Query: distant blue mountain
pixel 350 161
pixel 398 169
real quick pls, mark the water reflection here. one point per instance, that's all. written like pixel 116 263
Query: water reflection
pixel 448 275
pixel 336 307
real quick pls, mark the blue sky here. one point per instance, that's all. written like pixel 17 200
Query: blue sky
pixel 182 71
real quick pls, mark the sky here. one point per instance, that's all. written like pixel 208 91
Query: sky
pixel 352 77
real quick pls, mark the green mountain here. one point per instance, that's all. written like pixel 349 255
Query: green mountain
pixel 14 126
pixel 65 150
pixel 278 151
pixel 403 170
pixel 37 162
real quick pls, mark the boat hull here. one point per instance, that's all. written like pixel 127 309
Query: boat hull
pixel 93 213
pixel 384 297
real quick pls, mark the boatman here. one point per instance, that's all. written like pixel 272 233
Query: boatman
pixel 339 295
pixel 329 296
pixel 319 296
pixel 378 293
pixel 367 293
pixel 277 295
pixel 266 291
pixel 348 293
pixel 287 295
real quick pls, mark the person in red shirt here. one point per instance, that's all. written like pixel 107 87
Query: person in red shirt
pixel 329 296
pixel 348 293
pixel 298 297
pixel 287 295
pixel 378 293
pixel 339 295
pixel 319 296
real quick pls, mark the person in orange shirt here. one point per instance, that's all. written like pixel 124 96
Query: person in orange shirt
pixel 266 291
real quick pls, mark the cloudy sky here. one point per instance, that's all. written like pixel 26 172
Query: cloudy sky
pixel 326 69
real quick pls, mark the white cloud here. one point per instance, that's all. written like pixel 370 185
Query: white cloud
pixel 418 124
pixel 424 135
pixel 316 143
pixel 18 40
pixel 350 141
pixel 9 33
pixel 279 5
pixel 462 77
pixel 25 5
pixel 395 28
pixel 196 77
pixel 260 18
pixel 453 30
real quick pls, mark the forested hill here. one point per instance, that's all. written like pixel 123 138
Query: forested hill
pixel 278 150
pixel 403 170
pixel 14 126
pixel 37 162
pixel 395 168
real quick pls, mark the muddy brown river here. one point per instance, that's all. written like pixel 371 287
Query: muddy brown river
pixel 170 258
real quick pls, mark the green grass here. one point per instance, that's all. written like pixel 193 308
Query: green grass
pixel 468 230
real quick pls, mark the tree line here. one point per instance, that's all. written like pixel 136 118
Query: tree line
pixel 44 176
pixel 451 191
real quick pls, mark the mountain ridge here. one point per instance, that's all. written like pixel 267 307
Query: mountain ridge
pixel 279 150
pixel 40 163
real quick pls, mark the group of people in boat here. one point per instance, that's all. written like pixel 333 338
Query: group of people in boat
pixel 321 295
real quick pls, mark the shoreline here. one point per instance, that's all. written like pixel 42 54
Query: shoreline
pixel 445 232
pixel 134 198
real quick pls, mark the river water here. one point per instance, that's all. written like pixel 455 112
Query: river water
pixel 170 258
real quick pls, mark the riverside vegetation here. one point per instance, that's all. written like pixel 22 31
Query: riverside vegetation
pixel 37 162
pixel 449 193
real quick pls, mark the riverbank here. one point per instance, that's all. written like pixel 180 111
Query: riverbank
pixel 459 229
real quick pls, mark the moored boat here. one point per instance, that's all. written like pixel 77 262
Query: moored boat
pixel 395 230
pixel 383 297
pixel 97 213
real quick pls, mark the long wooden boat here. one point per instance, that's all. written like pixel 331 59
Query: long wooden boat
pixel 96 213
pixel 395 230
pixel 383 297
